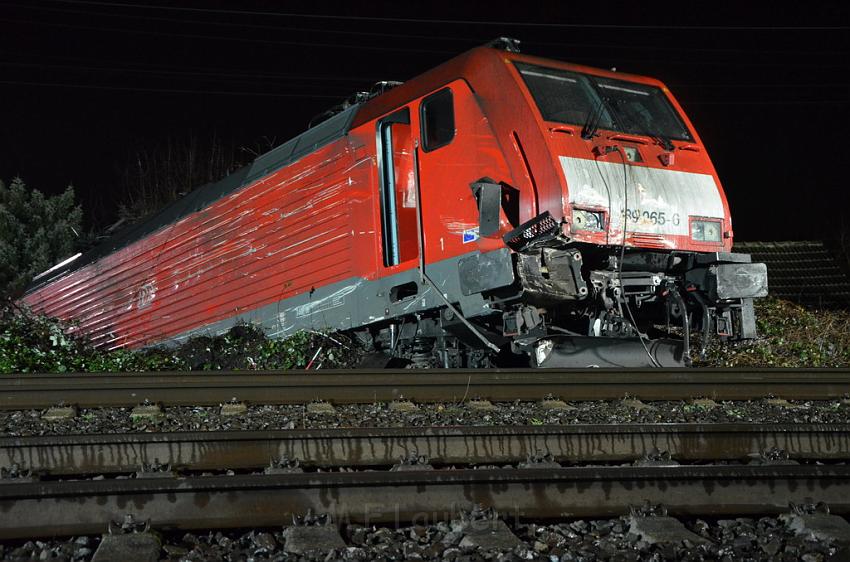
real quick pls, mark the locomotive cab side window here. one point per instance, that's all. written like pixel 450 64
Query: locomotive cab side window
pixel 438 120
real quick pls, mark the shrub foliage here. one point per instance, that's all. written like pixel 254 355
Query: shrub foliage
pixel 790 336
pixel 36 344
pixel 36 232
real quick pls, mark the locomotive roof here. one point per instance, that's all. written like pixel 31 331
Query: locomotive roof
pixel 467 66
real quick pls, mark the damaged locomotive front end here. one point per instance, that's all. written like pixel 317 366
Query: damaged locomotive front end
pixel 585 305
pixel 605 239
pixel 628 261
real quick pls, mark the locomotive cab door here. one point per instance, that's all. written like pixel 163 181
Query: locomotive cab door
pixel 457 148
pixel 397 188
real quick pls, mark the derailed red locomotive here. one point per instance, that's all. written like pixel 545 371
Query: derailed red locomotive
pixel 499 203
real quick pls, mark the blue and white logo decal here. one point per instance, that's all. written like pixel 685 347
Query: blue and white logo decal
pixel 470 235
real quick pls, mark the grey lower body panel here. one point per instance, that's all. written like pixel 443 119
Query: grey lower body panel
pixel 357 302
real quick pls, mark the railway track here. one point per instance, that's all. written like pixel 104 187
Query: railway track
pixel 62 508
pixel 347 386
pixel 356 447
pixel 222 479
pixel 347 475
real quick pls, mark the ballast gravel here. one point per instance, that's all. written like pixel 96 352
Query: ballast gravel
pixel 730 540
pixel 259 417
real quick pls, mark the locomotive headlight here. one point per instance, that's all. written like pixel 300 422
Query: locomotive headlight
pixel 588 220
pixel 705 231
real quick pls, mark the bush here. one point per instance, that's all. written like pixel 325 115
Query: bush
pixel 789 336
pixel 37 344
pixel 36 232
pixel 245 347
pixel 33 344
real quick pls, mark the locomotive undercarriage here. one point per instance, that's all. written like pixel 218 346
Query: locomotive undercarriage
pixel 421 341
pixel 632 308
pixel 579 305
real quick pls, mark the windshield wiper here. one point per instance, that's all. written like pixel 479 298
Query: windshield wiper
pixel 591 125
pixel 665 143
pixel 648 131
pixel 657 136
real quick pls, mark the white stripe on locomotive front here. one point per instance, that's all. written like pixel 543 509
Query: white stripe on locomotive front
pixel 592 183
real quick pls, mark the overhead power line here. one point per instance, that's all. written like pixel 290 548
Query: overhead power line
pixel 454 22
pixel 187 73
pixel 808 51
pixel 227 38
pixel 392 48
pixel 171 91
pixel 242 25
pixel 180 69
pixel 767 102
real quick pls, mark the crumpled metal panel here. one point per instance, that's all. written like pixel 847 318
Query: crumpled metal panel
pixel 552 275
pixel 279 236
pixel 484 272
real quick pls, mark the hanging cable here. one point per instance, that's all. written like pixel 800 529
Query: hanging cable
pixel 619 150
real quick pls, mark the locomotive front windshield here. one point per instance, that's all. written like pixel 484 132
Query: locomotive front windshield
pixel 616 105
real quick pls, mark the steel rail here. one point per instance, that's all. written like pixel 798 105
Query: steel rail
pixel 358 447
pixel 366 386
pixel 82 507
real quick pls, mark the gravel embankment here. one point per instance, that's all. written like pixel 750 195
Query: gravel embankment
pixel 734 539
pixel 118 420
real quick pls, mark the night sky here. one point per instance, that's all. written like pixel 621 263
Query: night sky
pixel 85 84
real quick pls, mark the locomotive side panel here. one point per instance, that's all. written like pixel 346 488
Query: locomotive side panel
pixel 448 204
pixel 301 247
pixel 288 234
pixel 279 236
